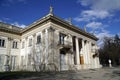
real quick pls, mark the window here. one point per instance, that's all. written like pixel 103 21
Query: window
pixel 61 38
pixel 7 60
pixel 23 44
pixel 93 47
pixel 30 42
pixel 13 62
pixel 2 43
pixel 29 59
pixel 37 58
pixel 38 39
pixel 14 44
pixel 22 60
pixel 0 60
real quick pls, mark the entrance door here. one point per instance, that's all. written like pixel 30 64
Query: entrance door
pixel 63 65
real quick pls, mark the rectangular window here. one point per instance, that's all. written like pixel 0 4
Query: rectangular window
pixel 14 44
pixel 7 60
pixel 93 47
pixel 13 62
pixel 61 38
pixel 0 60
pixel 30 42
pixel 29 59
pixel 23 44
pixel 38 39
pixel 2 43
pixel 22 60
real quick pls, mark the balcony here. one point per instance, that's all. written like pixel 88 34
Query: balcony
pixel 65 45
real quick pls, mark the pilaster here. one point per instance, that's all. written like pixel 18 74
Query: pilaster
pixel 47 46
pixel 26 54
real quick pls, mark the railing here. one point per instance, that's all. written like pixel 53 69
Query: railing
pixel 65 44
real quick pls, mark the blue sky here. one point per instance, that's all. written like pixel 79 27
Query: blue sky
pixel 101 17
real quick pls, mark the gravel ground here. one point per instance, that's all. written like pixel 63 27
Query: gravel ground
pixel 91 74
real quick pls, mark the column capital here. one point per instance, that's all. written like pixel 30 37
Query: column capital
pixel 83 39
pixel 86 41
pixel 51 29
pixel 10 39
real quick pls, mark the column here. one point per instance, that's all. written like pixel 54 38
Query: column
pixel 77 52
pixel 82 53
pixel 97 63
pixel 85 52
pixel 88 54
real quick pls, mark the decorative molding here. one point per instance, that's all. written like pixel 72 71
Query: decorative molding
pixel 10 39
pixel 51 29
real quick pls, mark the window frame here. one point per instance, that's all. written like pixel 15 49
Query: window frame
pixel 30 42
pixel 15 45
pixel 62 38
pixel 2 42
pixel 23 44
pixel 38 39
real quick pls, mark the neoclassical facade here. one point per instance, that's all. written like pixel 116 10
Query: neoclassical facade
pixel 47 44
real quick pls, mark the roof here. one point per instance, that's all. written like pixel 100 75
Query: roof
pixel 10 28
pixel 44 20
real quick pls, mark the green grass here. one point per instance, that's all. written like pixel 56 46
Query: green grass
pixel 24 74
pixel 18 75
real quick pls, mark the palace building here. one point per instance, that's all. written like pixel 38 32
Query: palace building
pixel 50 44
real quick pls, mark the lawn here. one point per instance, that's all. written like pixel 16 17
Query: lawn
pixel 20 74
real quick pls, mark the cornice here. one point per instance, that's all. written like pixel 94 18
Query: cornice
pixel 10 31
pixel 55 20
pixel 66 24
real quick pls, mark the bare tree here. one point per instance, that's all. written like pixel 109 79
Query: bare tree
pixel 43 54
pixel 110 50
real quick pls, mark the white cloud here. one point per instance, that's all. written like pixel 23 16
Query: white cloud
pixel 108 5
pixel 101 36
pixel 95 13
pixel 94 25
pixel 99 9
pixel 98 29
pixel 19 25
pixel 88 15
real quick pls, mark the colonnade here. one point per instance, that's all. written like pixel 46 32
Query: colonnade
pixel 82 53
